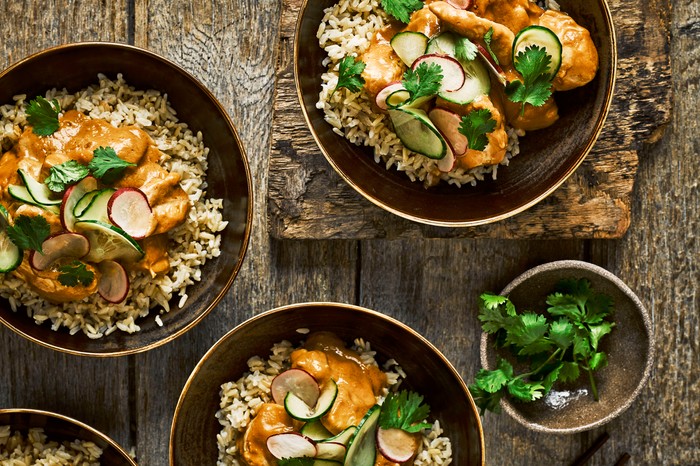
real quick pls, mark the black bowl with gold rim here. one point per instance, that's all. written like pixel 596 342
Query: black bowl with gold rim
pixel 546 159
pixel 76 66
pixel 193 435
pixel 59 428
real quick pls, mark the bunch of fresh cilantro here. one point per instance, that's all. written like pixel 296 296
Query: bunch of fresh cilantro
pixel 534 65
pixel 556 346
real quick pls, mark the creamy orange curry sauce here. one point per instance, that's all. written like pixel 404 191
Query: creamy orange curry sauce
pixel 76 139
pixel 325 357
pixel 579 63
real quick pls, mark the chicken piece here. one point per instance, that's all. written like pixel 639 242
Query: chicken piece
pixel 579 58
pixel 46 283
pixel 468 24
pixel 29 210
pixel 514 14
pixel 382 65
pixel 424 21
pixel 271 419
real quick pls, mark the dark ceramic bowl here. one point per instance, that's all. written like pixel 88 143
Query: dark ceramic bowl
pixel 547 157
pixel 194 428
pixel 76 66
pixel 62 428
pixel 630 350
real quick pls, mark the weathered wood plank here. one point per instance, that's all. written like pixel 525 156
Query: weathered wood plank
pixel 307 199
pixel 33 376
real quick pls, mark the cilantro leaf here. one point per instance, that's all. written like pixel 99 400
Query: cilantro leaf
pixel 533 64
pixel 29 232
pixel 402 9
pixel 564 305
pixel 597 361
pixel 43 116
pixel 486 401
pixel 598 307
pixel 424 81
pixel 569 371
pixel 598 332
pixel 475 126
pixel 74 274
pixel 404 410
pixel 552 377
pixel 303 461
pixel 349 75
pixel 107 165
pixel 488 37
pixel 526 330
pixel 493 381
pixel 561 333
pixel 465 49
pixel 65 174
pixel 525 391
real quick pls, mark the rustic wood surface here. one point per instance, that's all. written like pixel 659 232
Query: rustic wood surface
pixel 431 284
pixel 309 200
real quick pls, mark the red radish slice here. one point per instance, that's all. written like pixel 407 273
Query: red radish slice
pixel 114 281
pixel 290 445
pixel 383 95
pixel 460 4
pixel 71 197
pixel 448 123
pixel 493 67
pixel 447 163
pixel 452 72
pixel 396 445
pixel 128 208
pixel 297 381
pixel 72 245
pixel 330 451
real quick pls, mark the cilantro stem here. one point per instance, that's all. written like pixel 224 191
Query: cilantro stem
pixel 552 356
pixel 594 389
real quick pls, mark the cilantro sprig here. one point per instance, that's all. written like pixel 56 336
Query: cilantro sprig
pixel 402 9
pixel 29 232
pixel 65 174
pixel 107 165
pixel 404 410
pixel 533 63
pixel 349 75
pixel 465 49
pixel 74 274
pixel 43 116
pixel 556 346
pixel 475 126
pixel 488 37
pixel 424 81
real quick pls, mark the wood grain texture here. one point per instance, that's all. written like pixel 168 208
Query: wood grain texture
pixel 33 376
pixel 307 199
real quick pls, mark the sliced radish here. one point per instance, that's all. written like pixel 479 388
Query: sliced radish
pixel 291 445
pixel 396 445
pixel 128 208
pixel 300 411
pixel 447 163
pixel 73 245
pixel 448 123
pixel 297 381
pixel 330 451
pixel 391 96
pixel 71 197
pixel 460 4
pixel 491 65
pixel 114 281
pixel 452 71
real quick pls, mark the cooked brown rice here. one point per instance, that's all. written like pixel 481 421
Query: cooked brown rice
pixel 241 400
pixel 35 448
pixel 192 243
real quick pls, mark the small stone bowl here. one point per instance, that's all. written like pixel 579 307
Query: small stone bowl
pixel 629 347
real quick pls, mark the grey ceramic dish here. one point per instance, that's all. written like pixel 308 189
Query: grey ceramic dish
pixel 630 349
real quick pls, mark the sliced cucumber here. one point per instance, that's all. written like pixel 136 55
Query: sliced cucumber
pixel 10 255
pixel 343 437
pixel 409 45
pixel 22 194
pixel 362 450
pixel 300 411
pixel 39 191
pixel 316 431
pixel 84 202
pixel 542 37
pixel 417 132
pixel 476 83
pixel 330 451
pixel 72 197
pixel 108 242
pixel 97 209
pixel 444 43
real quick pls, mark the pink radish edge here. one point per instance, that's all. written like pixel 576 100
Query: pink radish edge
pixel 297 381
pixel 460 4
pixel 452 72
pixel 65 244
pixel 114 281
pixel 395 444
pixel 447 122
pixel 290 445
pixel 129 209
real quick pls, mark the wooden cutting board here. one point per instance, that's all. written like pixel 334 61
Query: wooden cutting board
pixel 308 200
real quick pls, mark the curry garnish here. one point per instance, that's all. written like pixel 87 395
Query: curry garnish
pixel 424 81
pixel 533 64
pixel 557 346
pixel 74 274
pixel 465 49
pixel 475 126
pixel 43 116
pixel 404 410
pixel 402 9
pixel 65 174
pixel 29 232
pixel 487 41
pixel 349 72
pixel 106 164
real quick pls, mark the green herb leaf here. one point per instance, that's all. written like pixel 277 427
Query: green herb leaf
pixel 487 40
pixel 424 81
pixel 74 274
pixel 404 410
pixel 533 64
pixel 106 164
pixel 598 361
pixel 303 461
pixel 598 307
pixel 493 381
pixel 551 377
pixel 349 75
pixel 561 333
pixel 486 401
pixel 402 9
pixel 465 49
pixel 527 329
pixel 65 174
pixel 43 116
pixel 475 126
pixel 29 232
pixel 569 371
pixel 525 391
pixel 598 332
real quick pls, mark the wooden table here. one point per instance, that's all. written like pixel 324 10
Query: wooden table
pixel 430 284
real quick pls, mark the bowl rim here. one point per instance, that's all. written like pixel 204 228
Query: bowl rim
pixel 315 304
pixel 112 443
pixel 249 206
pixel 484 349
pixel 610 86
